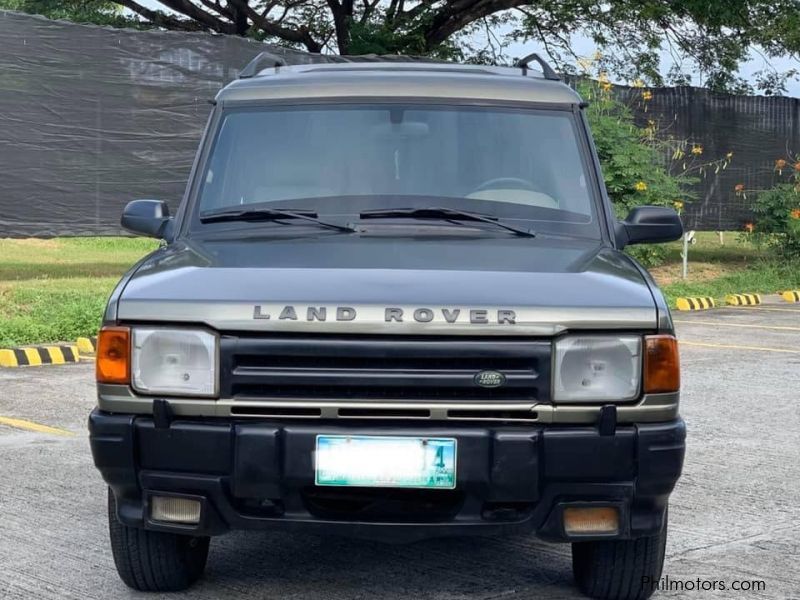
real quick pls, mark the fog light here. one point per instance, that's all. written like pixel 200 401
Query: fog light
pixel 604 519
pixel 174 510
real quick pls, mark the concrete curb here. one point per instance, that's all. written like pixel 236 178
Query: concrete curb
pixel 743 299
pixel 700 303
pixel 87 346
pixel 791 296
pixel 34 356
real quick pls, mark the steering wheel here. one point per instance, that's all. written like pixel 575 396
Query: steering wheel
pixel 504 183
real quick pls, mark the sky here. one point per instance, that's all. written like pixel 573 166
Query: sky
pixel 583 46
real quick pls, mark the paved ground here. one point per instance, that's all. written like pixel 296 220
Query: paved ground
pixel 734 515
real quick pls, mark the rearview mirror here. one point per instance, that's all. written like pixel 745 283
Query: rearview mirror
pixel 648 225
pixel 148 217
pixel 407 130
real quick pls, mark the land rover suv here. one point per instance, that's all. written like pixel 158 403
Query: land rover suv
pixel 392 304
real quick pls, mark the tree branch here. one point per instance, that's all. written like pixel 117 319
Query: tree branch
pixel 185 7
pixel 300 35
pixel 216 7
pixel 159 19
pixel 369 9
pixel 391 12
pixel 342 16
pixel 457 14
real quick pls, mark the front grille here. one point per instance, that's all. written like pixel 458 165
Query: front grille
pixel 372 368
pixel 248 391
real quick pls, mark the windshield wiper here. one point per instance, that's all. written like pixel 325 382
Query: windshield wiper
pixel 439 213
pixel 270 214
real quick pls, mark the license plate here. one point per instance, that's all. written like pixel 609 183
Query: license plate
pixel 392 462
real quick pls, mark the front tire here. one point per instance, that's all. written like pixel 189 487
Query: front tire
pixel 619 569
pixel 154 561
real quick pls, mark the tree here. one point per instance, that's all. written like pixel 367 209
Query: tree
pixel 707 36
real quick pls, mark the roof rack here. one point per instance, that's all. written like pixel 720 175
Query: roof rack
pixel 547 70
pixel 262 61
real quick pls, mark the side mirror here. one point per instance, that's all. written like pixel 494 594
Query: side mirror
pixel 648 225
pixel 148 217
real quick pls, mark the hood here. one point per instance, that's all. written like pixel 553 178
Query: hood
pixel 447 284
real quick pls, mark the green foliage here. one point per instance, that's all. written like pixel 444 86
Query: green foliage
pixel 99 12
pixel 382 38
pixel 55 290
pixel 52 310
pixel 634 166
pixel 777 226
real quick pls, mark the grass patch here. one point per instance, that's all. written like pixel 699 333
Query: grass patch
pixel 708 259
pixel 55 290
pixel 717 270
pixel 70 257
pixel 763 278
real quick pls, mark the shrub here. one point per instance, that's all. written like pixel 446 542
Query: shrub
pixel 777 215
pixel 641 165
pixel 633 169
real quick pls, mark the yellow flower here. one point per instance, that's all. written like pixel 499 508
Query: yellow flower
pixel 647 95
pixel 697 149
pixel 602 78
pixel 678 205
pixel 640 186
pixel 638 83
pixel 605 86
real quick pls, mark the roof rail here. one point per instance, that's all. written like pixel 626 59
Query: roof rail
pixel 262 61
pixel 547 70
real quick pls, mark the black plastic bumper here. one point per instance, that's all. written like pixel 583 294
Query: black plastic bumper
pixel 510 479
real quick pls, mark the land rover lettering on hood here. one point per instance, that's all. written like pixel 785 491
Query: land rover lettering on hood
pixel 393 304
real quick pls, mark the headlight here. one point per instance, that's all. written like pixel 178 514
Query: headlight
pixel 180 362
pixel 597 368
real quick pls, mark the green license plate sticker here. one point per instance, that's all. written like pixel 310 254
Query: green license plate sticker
pixel 383 461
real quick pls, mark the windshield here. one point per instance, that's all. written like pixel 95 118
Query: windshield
pixel 515 164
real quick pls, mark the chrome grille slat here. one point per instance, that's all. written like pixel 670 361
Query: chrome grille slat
pixel 361 410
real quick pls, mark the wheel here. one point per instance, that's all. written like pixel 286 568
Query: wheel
pixel 619 569
pixel 153 561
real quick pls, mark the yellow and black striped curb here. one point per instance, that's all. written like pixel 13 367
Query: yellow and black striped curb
pixel 701 303
pixel 34 356
pixel 791 296
pixel 742 299
pixel 87 345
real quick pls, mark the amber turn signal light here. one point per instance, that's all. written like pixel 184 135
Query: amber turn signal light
pixel 591 519
pixel 113 355
pixel 662 371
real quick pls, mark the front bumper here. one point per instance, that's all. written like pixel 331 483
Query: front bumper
pixel 510 479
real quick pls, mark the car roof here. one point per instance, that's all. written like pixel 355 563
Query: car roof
pixel 396 79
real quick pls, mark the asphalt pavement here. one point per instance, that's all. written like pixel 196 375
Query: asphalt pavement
pixel 734 516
